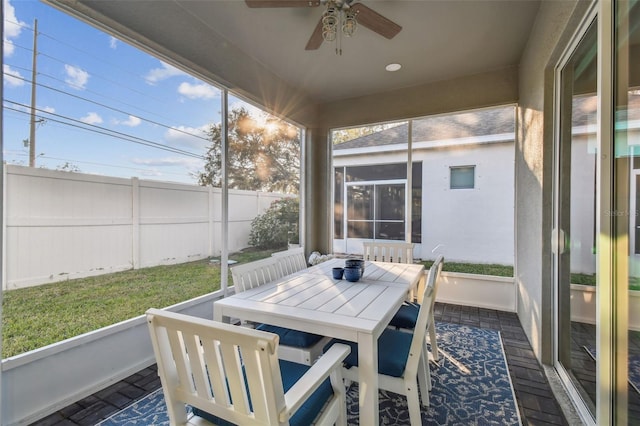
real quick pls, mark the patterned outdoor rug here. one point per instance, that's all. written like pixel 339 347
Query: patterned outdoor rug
pixel 471 386
pixel 634 367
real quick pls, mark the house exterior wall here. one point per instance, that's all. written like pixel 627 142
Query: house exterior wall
pixel 465 225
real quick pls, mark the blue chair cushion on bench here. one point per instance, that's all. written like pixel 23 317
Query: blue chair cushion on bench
pixel 288 337
pixel 306 414
pixel 406 317
pixel 393 351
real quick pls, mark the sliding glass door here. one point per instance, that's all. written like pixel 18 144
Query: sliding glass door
pixel 575 227
pixel 597 217
pixel 626 198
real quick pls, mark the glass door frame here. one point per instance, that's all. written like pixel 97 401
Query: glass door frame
pixel 558 239
pixel 612 242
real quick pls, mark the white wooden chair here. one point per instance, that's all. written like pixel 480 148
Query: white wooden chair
pixel 291 260
pixel 254 274
pixel 388 251
pixel 233 373
pixel 295 345
pixel 407 316
pixel 401 365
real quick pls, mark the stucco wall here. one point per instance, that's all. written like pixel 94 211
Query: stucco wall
pixel 465 225
pixel 533 171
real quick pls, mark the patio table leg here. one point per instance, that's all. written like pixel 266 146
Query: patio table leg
pixel 368 379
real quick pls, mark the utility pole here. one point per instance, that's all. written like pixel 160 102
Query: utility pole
pixel 32 129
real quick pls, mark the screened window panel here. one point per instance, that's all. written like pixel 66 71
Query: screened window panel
pixel 360 229
pixel 377 172
pixel 360 202
pixel 338 205
pixel 390 202
pixel 390 230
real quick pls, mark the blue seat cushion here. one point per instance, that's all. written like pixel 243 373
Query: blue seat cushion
pixel 406 317
pixel 393 351
pixel 288 337
pixel 291 372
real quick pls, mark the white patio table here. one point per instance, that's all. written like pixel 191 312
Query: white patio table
pixel 312 301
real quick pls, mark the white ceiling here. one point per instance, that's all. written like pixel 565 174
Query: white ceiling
pixel 439 39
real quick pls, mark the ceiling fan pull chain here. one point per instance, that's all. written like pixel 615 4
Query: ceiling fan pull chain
pixel 339 39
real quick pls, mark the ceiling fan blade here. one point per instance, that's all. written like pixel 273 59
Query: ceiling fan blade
pixel 316 37
pixel 371 19
pixel 282 3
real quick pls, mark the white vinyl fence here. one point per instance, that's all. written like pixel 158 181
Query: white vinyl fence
pixel 62 225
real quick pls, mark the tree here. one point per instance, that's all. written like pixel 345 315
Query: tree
pixel 345 135
pixel 277 226
pixel 263 157
pixel 68 167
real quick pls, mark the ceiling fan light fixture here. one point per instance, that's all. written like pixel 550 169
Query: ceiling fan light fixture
pixel 330 19
pixel 349 25
pixel 338 16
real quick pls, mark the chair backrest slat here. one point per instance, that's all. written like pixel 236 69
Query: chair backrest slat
pixel 395 252
pixel 213 360
pixel 256 273
pixel 291 261
pixel 436 267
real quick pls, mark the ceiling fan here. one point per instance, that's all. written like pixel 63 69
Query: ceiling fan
pixel 362 14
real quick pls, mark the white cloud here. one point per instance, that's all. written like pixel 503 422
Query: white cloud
pixel 132 121
pixel 12 77
pixel 197 91
pixel 113 42
pixel 165 71
pixel 76 77
pixel 48 109
pixel 92 118
pixel 193 137
pixel 12 27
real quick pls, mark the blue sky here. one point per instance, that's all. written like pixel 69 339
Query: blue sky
pixel 88 76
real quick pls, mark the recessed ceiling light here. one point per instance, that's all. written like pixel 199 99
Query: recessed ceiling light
pixel 393 67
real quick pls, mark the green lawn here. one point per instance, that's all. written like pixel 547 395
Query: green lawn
pixel 37 316
pixel 475 268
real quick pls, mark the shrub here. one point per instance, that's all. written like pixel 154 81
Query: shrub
pixel 277 226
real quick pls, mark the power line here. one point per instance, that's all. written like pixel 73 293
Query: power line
pixel 92 163
pixel 127 113
pixel 118 100
pixel 84 53
pixel 110 108
pixel 104 131
pixel 86 127
pixel 100 59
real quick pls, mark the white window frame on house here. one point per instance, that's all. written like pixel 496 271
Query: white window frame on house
pixel 459 168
